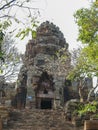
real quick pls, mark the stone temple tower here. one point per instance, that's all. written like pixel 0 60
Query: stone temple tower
pixel 43 70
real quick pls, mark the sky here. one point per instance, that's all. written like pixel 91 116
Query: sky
pixel 60 12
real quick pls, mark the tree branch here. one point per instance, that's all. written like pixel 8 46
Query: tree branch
pixel 7 4
pixel 26 7
pixel 91 91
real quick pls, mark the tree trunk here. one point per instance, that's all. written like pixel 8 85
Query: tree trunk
pixel 91 91
pixel 81 91
pixel 81 95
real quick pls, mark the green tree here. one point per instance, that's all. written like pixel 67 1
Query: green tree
pixel 86 63
pixel 87 21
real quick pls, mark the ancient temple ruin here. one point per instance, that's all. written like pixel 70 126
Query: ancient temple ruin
pixel 40 57
pixel 43 72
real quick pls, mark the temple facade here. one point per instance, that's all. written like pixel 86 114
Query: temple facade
pixel 43 72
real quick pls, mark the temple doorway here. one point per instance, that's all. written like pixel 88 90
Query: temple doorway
pixel 46 104
pixel 44 92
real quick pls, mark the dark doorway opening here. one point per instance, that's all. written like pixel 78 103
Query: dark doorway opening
pixel 46 104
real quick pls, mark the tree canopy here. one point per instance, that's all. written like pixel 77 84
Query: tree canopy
pixel 87 21
pixel 87 60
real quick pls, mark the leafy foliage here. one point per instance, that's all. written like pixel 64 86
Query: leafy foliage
pixel 9 15
pixel 87 61
pixel 86 64
pixel 87 21
pixel 87 108
pixel 29 29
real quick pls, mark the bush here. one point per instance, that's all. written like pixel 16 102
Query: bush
pixel 84 109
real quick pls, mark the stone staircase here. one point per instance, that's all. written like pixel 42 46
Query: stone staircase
pixel 39 119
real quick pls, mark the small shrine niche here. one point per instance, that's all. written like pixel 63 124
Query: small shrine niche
pixel 44 92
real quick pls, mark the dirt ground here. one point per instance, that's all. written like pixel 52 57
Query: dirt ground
pixel 35 119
